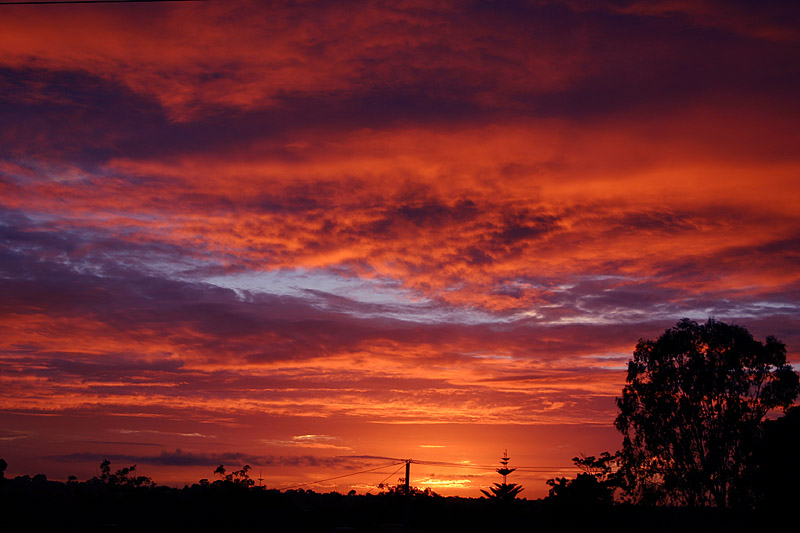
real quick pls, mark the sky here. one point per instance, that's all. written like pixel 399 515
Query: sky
pixel 322 237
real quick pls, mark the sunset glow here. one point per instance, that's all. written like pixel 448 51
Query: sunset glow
pixel 323 237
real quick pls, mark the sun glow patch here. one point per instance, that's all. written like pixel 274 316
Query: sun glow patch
pixel 444 483
pixel 312 437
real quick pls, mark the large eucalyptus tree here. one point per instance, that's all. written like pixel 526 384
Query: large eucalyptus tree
pixel 692 409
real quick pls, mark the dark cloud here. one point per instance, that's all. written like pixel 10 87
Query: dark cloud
pixel 524 226
pixel 617 62
pixel 114 369
pixel 769 20
pixel 656 222
pixel 774 255
pixel 182 458
pixel 73 116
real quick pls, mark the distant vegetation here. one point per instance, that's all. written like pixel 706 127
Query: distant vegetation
pixel 116 504
pixel 698 454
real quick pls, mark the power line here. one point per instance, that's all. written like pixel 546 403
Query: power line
pixel 524 468
pixel 29 3
pixel 444 464
pixel 387 477
pixel 338 477
pixel 547 468
pixel 494 467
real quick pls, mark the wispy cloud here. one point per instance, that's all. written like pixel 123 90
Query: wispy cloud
pixel 308 441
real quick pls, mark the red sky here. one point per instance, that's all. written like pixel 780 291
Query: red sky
pixel 309 236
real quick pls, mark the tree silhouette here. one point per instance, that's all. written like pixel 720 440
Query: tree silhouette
pixel 777 477
pixel 692 409
pixel 124 477
pixel 242 477
pixel 503 492
pixel 239 477
pixel 594 487
pixel 400 490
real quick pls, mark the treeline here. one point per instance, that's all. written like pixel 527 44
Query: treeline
pixel 120 501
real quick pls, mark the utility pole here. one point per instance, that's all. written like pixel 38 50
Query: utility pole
pixel 408 477
pixel 408 495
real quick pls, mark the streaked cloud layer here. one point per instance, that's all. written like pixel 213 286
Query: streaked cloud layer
pixel 314 230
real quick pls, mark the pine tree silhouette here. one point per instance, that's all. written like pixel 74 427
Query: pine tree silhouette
pixel 506 491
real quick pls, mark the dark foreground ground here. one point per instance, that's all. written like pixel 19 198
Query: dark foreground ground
pixel 41 505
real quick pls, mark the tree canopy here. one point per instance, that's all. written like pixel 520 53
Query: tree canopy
pixel 593 488
pixel 692 409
